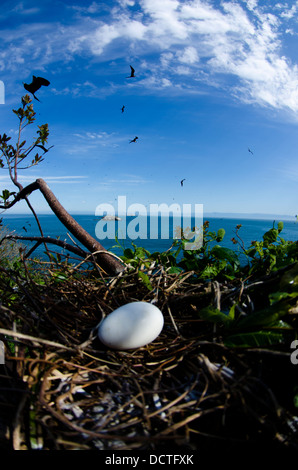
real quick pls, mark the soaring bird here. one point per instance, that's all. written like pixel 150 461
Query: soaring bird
pixel 181 182
pixel 132 73
pixel 134 140
pixel 250 151
pixel 35 85
pixel 122 109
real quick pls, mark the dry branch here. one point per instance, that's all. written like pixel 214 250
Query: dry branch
pixel 106 260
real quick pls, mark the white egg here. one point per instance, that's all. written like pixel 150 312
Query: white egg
pixel 131 326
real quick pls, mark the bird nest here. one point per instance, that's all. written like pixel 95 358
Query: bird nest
pixel 60 388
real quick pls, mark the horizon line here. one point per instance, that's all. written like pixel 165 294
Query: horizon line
pixel 215 214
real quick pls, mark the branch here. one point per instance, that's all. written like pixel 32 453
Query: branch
pixel 105 259
pixel 39 240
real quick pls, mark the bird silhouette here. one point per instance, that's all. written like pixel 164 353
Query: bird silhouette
pixel 122 109
pixel 35 85
pixel 132 72
pixel 181 182
pixel 250 151
pixel 134 140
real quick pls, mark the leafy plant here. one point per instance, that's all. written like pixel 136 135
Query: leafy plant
pixel 265 326
pixel 270 254
pixel 9 250
pixel 15 157
pixel 214 261
pixel 12 156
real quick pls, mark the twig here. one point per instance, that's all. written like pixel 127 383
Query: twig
pixel 16 334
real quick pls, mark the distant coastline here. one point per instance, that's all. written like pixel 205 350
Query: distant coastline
pixel 215 215
pixel 253 216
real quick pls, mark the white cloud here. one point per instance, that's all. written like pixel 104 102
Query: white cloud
pixel 49 179
pixel 64 179
pixel 188 56
pixel 126 3
pixel 19 8
pixel 290 13
pixel 128 179
pixel 88 143
pixel 237 45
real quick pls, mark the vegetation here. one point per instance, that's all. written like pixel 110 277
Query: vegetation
pixel 222 374
pixel 9 249
pixel 273 259
pixel 14 157
pixel 213 376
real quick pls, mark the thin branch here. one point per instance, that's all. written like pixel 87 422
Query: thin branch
pixel 106 260
pixel 16 334
pixel 39 240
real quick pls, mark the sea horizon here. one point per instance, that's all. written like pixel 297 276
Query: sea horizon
pixel 153 237
pixel 216 215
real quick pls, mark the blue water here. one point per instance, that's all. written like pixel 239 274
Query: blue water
pixel 252 229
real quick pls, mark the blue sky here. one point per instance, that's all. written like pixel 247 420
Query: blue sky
pixel 213 78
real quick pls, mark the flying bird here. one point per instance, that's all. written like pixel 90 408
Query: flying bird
pixel 122 109
pixel 250 151
pixel 181 182
pixel 134 140
pixel 132 72
pixel 35 85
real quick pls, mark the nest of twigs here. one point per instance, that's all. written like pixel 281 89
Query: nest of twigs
pixel 60 388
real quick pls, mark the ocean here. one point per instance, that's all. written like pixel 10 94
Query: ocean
pixel 252 229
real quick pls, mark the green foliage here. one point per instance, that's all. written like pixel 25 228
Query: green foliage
pixel 9 250
pixel 272 253
pixel 216 262
pixel 264 327
pixel 12 156
pixel 6 195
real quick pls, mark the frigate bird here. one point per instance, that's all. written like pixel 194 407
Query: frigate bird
pixel 250 151
pixel 181 182
pixel 134 140
pixel 35 85
pixel 122 109
pixel 132 72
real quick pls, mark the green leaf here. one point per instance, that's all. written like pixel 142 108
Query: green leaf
pixel 270 236
pixel 220 234
pixel 211 271
pixel 254 339
pixel 265 317
pixel 295 398
pixel 277 296
pixel 145 279
pixel 5 194
pixel 141 252
pixel 128 253
pixel 175 270
pixel 220 252
pixel 232 312
pixel 214 315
